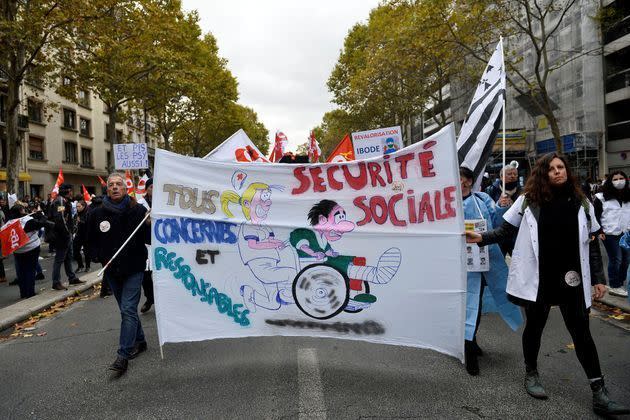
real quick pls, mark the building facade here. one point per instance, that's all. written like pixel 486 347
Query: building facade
pixel 69 135
pixel 616 39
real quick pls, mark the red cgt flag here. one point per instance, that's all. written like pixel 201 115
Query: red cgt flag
pixel 103 183
pixel 344 152
pixel 86 195
pixel 279 147
pixel 55 190
pixel 129 184
pixel 12 237
pixel 314 151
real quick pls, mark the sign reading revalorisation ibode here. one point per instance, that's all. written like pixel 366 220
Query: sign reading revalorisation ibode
pixel 131 156
pixel 366 250
pixel 376 143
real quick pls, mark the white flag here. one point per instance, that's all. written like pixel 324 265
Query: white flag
pixel 476 138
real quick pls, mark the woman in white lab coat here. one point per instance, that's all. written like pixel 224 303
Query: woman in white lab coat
pixel 555 262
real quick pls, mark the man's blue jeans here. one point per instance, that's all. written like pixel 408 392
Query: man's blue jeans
pixel 63 256
pixel 127 293
pixel 618 260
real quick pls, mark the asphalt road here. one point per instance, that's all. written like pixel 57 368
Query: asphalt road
pixel 64 375
pixel 11 294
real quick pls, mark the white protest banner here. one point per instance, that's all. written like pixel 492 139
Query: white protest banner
pixel 366 250
pixel 131 156
pixel 376 143
pixel 237 148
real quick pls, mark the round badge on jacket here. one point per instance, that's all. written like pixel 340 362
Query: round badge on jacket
pixel 104 226
pixel 573 278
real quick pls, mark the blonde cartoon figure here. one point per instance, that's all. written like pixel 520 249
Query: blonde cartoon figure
pixel 258 247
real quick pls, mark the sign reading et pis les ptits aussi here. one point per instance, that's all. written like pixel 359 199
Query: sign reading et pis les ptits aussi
pixel 131 156
pixel 375 143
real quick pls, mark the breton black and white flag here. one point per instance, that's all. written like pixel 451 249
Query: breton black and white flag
pixel 483 119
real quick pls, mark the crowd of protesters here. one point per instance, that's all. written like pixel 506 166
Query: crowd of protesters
pixel 553 259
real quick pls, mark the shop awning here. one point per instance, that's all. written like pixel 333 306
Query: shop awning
pixel 23 176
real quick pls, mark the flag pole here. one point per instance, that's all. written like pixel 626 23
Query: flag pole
pixel 503 119
pixel 100 273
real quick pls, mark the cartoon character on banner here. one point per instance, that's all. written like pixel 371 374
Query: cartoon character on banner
pixel 390 146
pixel 258 246
pixel 329 283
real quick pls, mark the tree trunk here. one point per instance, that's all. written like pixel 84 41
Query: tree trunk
pixel 555 130
pixel 111 132
pixel 14 140
pixel 166 136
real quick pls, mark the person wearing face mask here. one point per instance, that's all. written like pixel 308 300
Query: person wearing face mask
pixel 505 199
pixel 612 209
pixel 556 262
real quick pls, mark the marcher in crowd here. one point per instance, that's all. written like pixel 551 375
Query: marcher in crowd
pixel 3 219
pixel 27 255
pixel 147 281
pixel 79 242
pixel 109 226
pixel 97 201
pixel 477 206
pixel 555 262
pixel 612 209
pixel 505 199
pixel 60 213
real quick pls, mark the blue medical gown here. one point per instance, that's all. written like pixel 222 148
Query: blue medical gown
pixel 495 298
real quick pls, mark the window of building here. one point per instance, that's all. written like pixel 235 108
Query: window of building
pixel 70 152
pixel 109 159
pixel 84 126
pixel 86 157
pixel 35 110
pixel 83 98
pixel 35 148
pixel 3 109
pixel 579 123
pixel 119 135
pixel 69 119
pixel 579 90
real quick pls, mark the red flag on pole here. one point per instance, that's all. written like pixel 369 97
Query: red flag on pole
pixel 129 183
pixel 55 190
pixel 12 237
pixel 86 195
pixel 103 183
pixel 279 147
pixel 314 151
pixel 344 152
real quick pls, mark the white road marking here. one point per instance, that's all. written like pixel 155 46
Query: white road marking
pixel 311 390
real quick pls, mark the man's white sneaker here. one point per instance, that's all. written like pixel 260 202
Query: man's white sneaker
pixel 618 291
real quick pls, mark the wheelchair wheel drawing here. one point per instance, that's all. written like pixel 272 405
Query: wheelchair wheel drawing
pixel 321 291
pixel 366 289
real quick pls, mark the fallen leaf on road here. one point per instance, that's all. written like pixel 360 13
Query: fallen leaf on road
pixel 74 324
pixel 571 346
pixel 618 317
pixel 30 328
pixel 27 335
pixel 41 334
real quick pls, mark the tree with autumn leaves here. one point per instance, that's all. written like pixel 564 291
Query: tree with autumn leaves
pixel 393 67
pixel 145 55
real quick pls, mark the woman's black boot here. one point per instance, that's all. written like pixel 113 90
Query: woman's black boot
pixel 470 358
pixel 602 404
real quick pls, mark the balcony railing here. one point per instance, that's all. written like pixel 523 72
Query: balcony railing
pixel 618 131
pixel 618 81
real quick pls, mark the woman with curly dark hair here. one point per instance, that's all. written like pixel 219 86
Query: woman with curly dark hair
pixel 555 262
pixel 612 209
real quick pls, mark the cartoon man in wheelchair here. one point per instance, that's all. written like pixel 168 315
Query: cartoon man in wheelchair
pixel 329 283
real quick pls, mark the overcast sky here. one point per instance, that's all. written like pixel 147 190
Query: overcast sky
pixel 282 53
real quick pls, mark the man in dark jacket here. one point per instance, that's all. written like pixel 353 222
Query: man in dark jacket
pixel 109 226
pixel 60 213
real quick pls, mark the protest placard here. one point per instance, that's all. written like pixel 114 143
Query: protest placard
pixel 367 250
pixel 131 156
pixel 376 143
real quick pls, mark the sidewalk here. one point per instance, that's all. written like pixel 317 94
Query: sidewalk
pixel 23 309
pixel 616 302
